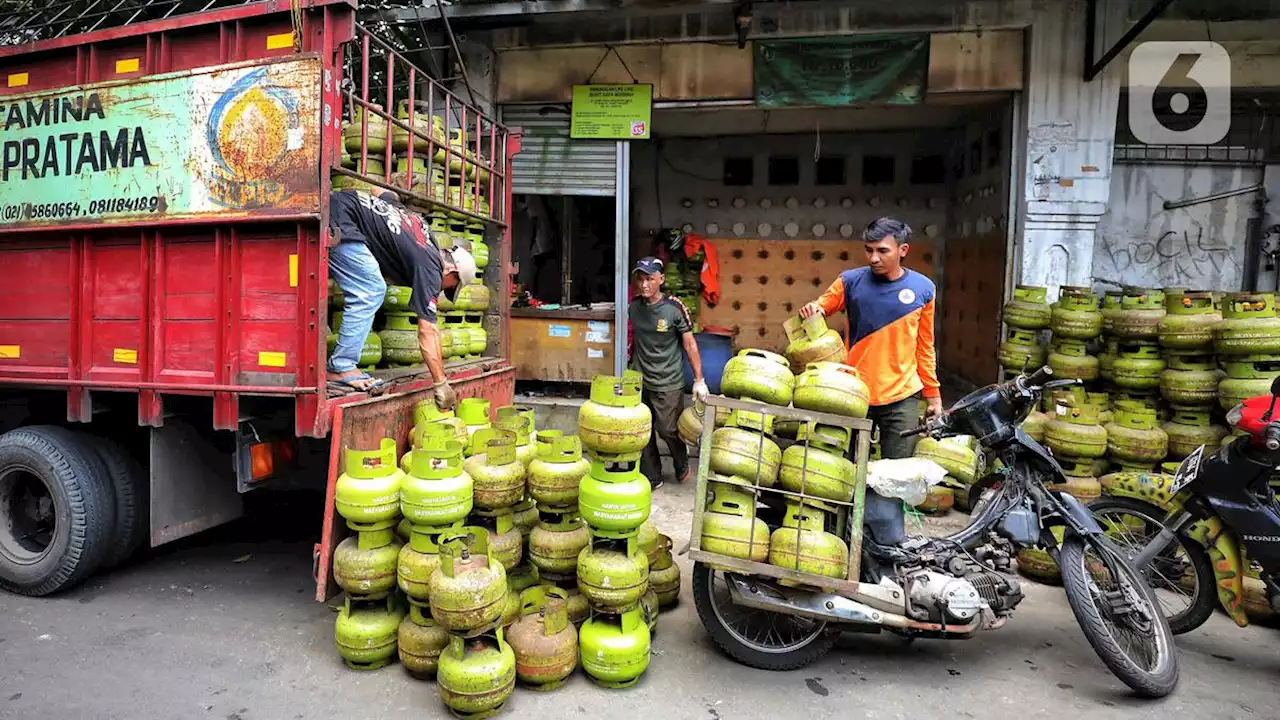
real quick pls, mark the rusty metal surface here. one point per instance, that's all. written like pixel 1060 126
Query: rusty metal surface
pixel 226 142
pixel 361 422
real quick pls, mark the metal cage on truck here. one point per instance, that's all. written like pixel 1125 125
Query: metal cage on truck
pixel 164 197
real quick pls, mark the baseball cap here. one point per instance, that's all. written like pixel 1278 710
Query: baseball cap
pixel 648 266
pixel 466 265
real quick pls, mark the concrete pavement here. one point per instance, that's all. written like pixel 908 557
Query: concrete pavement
pixel 199 630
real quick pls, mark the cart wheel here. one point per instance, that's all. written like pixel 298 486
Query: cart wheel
pixel 756 638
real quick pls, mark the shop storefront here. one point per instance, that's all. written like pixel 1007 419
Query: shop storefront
pixel 778 168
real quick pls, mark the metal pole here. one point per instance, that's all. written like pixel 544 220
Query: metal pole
pixel 621 254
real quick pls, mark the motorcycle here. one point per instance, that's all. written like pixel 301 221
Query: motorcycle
pixel 952 587
pixel 1189 533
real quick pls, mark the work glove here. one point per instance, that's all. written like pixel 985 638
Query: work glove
pixel 700 391
pixel 446 398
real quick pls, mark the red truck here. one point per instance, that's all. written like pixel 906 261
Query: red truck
pixel 164 197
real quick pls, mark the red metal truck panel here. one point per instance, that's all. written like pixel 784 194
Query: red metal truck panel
pixel 200 269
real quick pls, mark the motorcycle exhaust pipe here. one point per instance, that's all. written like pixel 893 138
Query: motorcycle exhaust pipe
pixel 819 606
pixel 827 607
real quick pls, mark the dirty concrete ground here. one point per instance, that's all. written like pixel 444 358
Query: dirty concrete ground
pixel 224 626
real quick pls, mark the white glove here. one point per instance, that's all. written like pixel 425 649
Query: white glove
pixel 700 391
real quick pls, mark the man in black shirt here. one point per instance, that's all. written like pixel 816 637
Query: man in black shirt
pixel 379 238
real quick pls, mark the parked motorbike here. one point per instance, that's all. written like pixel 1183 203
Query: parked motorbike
pixel 951 587
pixel 1189 534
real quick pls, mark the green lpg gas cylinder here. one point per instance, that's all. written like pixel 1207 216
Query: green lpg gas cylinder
pixel 556 543
pixel 729 523
pixel 613 420
pixel 365 632
pixel 400 339
pixel 1139 316
pixel 1029 309
pixel 1071 359
pixel 498 473
pixel 1021 350
pixel 1135 434
pixel 1189 321
pixel 1190 379
pixel 1249 325
pixel 1189 428
pixel 615 648
pixel 1074 433
pixel 758 375
pixel 1075 316
pixel 1247 376
pixel 365 565
pixel 476 675
pixel 557 470
pixel 469 590
pixel 369 491
pixel 613 574
pixel 811 341
pixel 614 498
pixel 1139 366
pixel 803 544
pixel 420 641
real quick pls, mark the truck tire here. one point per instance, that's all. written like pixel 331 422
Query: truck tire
pixel 128 484
pixel 57 510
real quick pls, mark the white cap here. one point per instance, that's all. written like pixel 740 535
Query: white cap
pixel 466 265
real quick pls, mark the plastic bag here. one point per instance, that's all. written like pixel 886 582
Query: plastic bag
pixel 907 479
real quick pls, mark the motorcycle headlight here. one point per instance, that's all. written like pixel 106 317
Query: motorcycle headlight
pixel 1234 415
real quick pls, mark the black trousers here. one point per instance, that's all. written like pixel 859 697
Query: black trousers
pixel 891 420
pixel 666 407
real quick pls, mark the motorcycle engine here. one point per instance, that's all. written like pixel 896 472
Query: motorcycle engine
pixel 957 589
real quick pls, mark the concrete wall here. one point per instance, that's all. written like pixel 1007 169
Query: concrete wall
pixel 1201 246
pixel 678 181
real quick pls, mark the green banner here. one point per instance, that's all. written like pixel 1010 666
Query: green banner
pixel 220 142
pixel 884 69
pixel 611 112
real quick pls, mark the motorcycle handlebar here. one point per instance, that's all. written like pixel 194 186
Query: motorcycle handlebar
pixel 1040 377
pixel 1271 435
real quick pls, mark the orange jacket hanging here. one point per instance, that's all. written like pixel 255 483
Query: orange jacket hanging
pixel 710 266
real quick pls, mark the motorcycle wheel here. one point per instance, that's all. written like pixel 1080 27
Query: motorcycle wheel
pixel 1136 645
pixel 1185 609
pixel 756 638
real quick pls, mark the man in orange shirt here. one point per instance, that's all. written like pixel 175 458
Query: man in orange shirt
pixel 890 334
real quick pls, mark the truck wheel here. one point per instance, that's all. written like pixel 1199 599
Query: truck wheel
pixel 128 484
pixel 57 511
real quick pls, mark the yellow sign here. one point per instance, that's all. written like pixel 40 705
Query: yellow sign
pixel 272 359
pixel 10 352
pixel 611 112
pixel 128 357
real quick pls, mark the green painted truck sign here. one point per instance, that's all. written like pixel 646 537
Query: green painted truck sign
pixel 219 142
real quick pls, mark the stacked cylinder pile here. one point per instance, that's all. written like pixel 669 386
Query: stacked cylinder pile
pixel 614 501
pixel 1160 367
pixel 461 320
pixel 445 566
pixel 777 489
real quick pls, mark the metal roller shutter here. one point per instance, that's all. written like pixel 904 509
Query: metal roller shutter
pixel 549 163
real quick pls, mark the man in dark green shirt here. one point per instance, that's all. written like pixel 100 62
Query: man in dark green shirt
pixel 660 331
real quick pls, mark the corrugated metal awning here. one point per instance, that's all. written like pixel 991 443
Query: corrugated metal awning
pixel 550 163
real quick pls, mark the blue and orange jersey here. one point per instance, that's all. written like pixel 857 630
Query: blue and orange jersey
pixel 890 337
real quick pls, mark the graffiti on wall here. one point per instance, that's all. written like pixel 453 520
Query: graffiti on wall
pixel 1183 257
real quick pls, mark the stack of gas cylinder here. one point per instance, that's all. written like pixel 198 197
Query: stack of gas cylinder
pixel 461 320
pixel 614 500
pixel 1168 363
pixel 813 479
